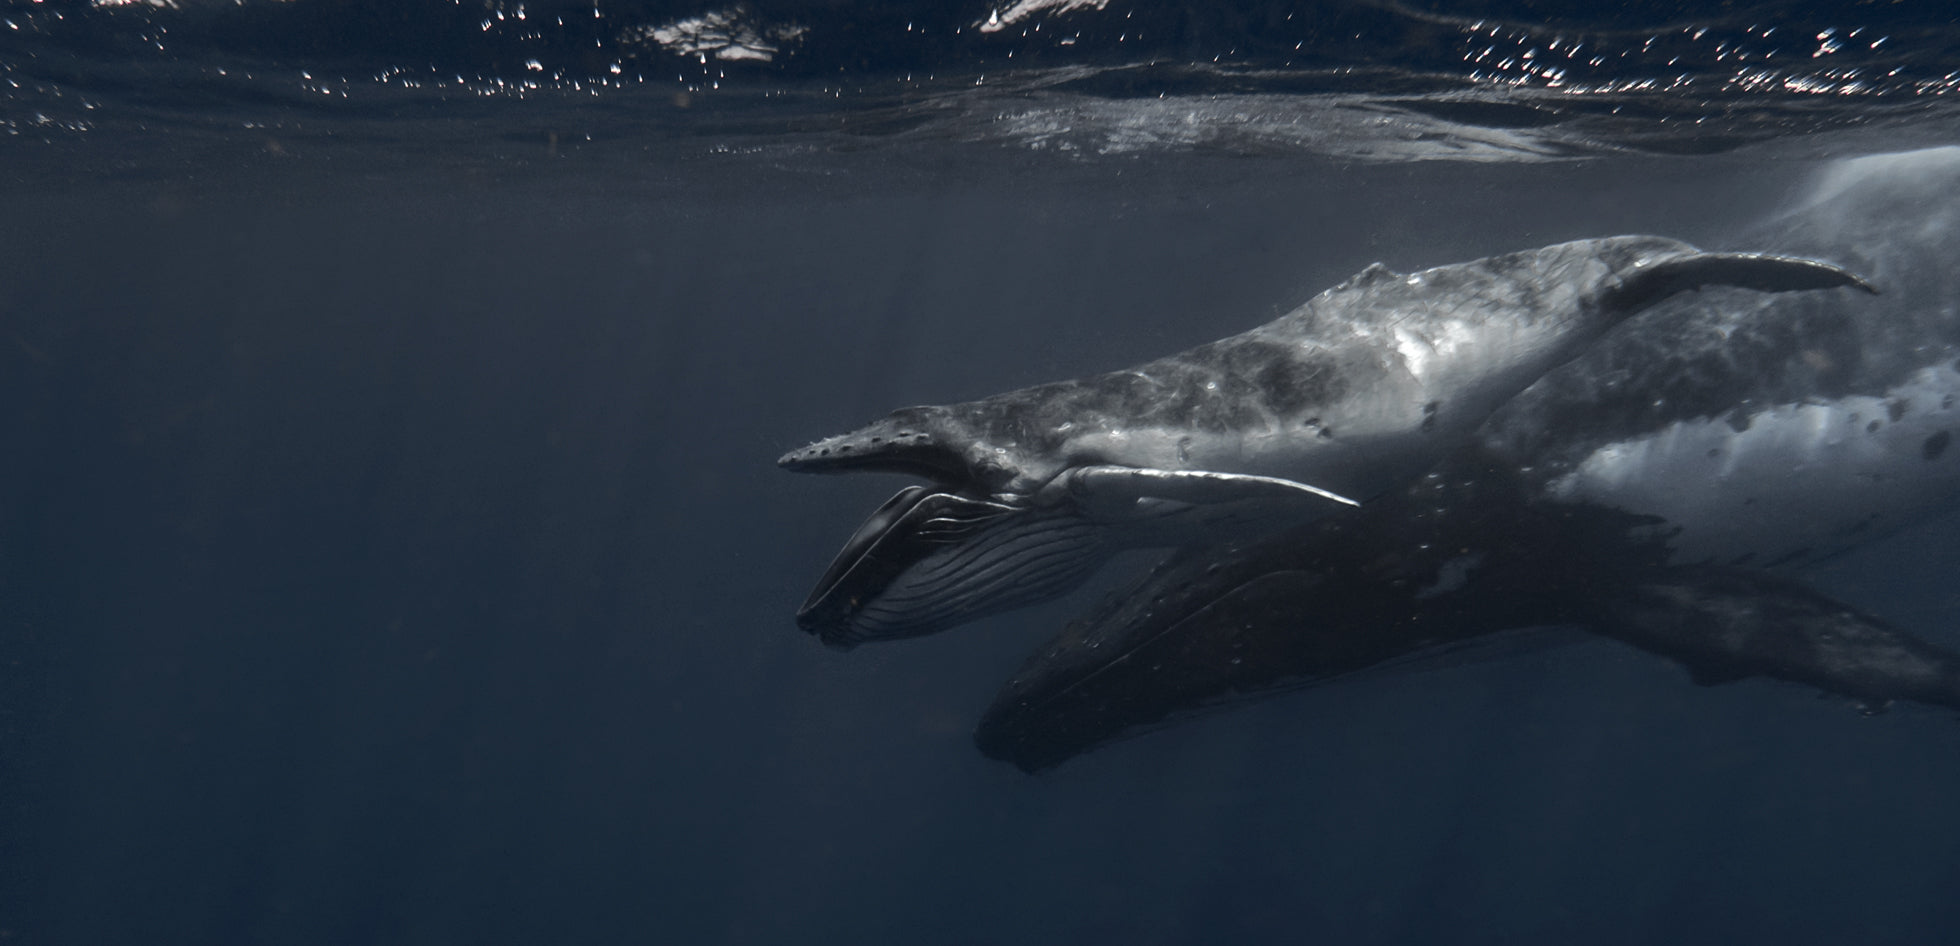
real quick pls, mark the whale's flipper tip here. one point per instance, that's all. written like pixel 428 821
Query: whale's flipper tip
pixel 1770 273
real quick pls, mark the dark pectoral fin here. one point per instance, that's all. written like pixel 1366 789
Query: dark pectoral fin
pixel 1724 624
pixel 1764 273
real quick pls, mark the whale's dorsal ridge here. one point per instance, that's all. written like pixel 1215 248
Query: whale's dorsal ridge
pixel 1370 275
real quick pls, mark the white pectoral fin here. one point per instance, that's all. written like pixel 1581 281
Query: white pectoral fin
pixel 1118 486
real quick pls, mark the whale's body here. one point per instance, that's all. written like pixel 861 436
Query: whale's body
pixel 1349 397
pixel 1663 489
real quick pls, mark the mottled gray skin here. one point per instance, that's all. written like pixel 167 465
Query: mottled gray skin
pixel 1355 391
pixel 1358 392
pixel 1656 490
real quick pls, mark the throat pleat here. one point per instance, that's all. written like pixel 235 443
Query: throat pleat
pixel 1004 569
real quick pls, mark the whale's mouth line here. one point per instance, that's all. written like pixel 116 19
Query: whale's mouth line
pixel 914 524
pixel 875 528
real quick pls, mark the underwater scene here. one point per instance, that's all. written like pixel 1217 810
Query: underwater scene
pixel 1440 471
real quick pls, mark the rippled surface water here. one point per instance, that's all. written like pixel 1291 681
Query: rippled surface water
pixel 391 551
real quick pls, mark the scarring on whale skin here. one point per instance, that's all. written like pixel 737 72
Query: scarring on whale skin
pixel 1351 396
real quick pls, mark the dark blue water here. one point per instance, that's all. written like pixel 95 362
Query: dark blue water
pixel 391 548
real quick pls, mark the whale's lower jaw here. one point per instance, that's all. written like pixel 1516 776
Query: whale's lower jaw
pixel 925 570
pixel 1017 559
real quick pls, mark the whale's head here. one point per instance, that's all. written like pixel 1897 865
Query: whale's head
pixel 954 445
pixel 1019 507
pixel 986 533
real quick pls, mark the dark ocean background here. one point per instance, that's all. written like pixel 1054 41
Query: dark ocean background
pixel 391 548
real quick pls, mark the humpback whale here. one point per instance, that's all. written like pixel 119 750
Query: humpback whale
pixel 1349 397
pixel 1663 489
